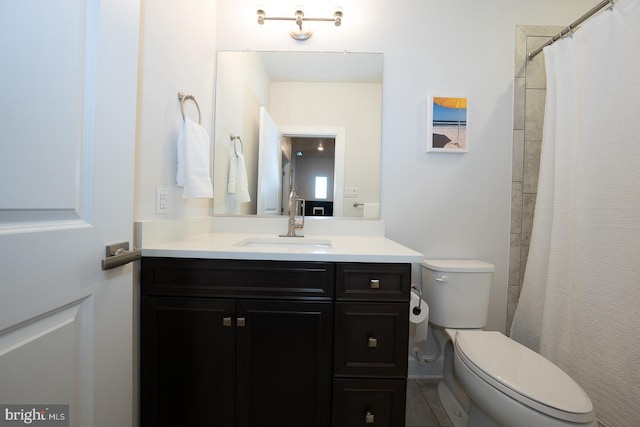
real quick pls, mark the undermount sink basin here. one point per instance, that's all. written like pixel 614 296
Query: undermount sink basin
pixel 285 242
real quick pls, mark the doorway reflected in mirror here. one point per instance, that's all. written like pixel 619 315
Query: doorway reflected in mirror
pixel 310 162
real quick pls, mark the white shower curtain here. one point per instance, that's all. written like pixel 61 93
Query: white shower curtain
pixel 580 299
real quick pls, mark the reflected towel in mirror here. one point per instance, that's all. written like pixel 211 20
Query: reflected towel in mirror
pixel 237 182
pixel 371 210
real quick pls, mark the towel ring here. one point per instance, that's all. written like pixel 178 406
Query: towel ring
pixel 184 97
pixel 235 146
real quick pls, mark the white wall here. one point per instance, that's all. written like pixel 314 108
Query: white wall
pixel 443 205
pixel 440 204
pixel 177 53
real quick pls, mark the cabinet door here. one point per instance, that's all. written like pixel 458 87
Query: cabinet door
pixel 187 362
pixel 284 363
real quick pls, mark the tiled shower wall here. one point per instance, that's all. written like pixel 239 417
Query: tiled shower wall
pixel 529 100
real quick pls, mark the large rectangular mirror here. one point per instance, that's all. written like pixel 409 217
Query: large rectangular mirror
pixel 307 119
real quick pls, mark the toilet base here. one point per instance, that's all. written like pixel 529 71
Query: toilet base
pixel 453 398
pixel 452 408
pixel 457 415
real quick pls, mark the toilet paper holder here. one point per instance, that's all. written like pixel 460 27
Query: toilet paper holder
pixel 417 310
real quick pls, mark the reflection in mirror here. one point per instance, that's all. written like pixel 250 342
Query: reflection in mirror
pixel 284 103
pixel 309 167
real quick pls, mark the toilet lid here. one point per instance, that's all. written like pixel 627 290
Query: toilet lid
pixel 458 265
pixel 523 374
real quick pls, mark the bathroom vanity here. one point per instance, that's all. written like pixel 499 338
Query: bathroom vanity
pixel 258 336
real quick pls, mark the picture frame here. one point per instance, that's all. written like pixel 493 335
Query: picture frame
pixel 447 124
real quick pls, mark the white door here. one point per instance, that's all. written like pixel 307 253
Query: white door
pixel 67 129
pixel 269 164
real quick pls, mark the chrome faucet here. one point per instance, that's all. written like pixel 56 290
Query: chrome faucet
pixel 295 203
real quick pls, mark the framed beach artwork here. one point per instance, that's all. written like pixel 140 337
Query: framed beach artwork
pixel 447 124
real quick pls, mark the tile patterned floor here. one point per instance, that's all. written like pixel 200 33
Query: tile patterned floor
pixel 423 406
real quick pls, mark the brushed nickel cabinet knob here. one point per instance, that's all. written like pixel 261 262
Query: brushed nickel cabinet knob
pixel 369 418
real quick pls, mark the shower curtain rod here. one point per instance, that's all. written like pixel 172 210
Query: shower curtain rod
pixel 572 26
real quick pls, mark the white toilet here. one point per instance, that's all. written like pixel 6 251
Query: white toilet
pixel 489 379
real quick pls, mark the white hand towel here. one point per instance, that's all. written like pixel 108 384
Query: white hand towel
pixel 237 183
pixel 194 153
pixel 371 210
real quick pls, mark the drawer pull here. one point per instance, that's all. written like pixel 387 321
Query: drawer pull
pixel 375 284
pixel 240 322
pixel 369 418
pixel 442 279
pixel 373 342
pixel 226 321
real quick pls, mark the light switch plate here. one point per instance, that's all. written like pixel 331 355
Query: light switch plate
pixel 351 192
pixel 162 201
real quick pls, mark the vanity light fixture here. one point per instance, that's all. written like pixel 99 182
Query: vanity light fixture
pixel 298 33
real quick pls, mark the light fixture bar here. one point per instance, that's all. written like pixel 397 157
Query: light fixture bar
pixel 299 17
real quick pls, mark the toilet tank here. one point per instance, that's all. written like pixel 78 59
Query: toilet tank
pixel 457 291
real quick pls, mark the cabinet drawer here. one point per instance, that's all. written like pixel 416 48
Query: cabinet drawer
pixel 237 278
pixel 380 282
pixel 371 339
pixel 364 403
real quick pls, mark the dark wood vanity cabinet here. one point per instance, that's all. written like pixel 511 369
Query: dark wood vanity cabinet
pixel 261 343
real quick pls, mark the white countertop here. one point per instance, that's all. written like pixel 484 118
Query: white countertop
pixel 343 248
pixel 223 238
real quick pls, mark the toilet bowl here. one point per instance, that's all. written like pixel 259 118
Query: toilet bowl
pixel 489 379
pixel 516 386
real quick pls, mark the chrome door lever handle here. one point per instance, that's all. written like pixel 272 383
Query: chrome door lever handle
pixel 118 254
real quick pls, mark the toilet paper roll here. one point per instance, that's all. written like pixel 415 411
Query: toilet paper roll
pixel 419 315
pixel 419 309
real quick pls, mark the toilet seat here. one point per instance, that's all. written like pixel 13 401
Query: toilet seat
pixel 523 375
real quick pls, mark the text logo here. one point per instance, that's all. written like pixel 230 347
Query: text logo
pixel 34 415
